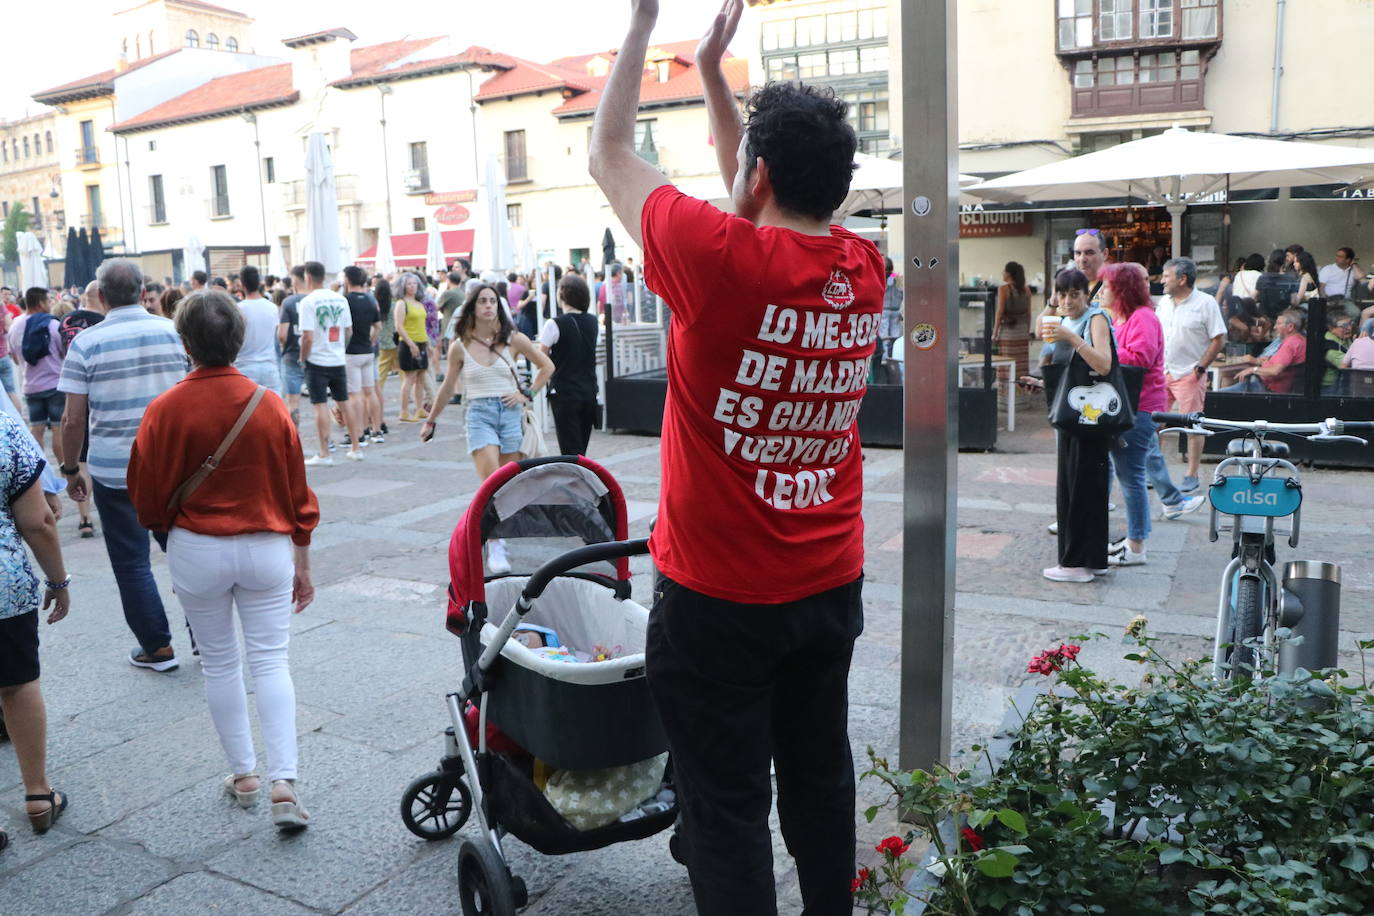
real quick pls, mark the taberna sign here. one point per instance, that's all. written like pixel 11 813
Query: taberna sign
pixel 977 223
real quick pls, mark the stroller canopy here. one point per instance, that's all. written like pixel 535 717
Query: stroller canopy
pixel 549 500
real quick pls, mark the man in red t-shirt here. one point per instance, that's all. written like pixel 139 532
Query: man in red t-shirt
pixel 759 538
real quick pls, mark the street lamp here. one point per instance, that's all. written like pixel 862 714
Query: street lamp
pixel 251 118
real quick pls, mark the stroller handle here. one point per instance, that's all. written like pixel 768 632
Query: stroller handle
pixel 592 553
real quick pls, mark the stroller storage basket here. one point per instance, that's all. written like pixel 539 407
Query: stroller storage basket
pixel 574 716
pixel 522 809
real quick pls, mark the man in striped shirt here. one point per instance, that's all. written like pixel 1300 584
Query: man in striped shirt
pixel 113 371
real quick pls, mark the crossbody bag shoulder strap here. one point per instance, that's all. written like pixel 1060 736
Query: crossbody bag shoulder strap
pixel 577 326
pixel 509 365
pixel 207 467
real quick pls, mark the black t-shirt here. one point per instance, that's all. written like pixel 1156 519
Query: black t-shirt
pixel 75 322
pixel 365 315
pixel 291 317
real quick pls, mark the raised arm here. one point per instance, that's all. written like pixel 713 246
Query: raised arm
pixel 625 178
pixel 727 127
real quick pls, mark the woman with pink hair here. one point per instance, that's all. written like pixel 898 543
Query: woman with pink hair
pixel 1140 342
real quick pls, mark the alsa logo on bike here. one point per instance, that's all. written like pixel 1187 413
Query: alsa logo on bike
pixel 1255 498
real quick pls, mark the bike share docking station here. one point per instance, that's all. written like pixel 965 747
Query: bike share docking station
pixel 1311 609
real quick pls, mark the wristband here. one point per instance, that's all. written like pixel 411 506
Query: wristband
pixel 58 586
pixel 528 393
pixel 69 472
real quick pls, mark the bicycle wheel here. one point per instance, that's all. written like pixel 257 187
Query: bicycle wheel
pixel 1248 619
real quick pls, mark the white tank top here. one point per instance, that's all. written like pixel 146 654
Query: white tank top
pixel 492 381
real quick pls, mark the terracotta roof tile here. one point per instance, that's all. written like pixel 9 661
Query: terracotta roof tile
pixel 526 77
pixel 260 88
pixel 685 86
pixel 404 59
pixel 101 83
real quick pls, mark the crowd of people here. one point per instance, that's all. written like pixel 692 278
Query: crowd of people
pixel 130 383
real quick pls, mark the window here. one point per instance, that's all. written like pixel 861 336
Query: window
pixel 48 141
pixel 26 147
pixel 515 215
pixel 868 115
pixel 87 154
pixel 779 34
pixel 124 49
pixel 1199 19
pixel 269 170
pixel 1114 21
pixel 417 224
pixel 1083 74
pixel 15 144
pixel 231 44
pixel 150 44
pixel 1116 71
pixel 157 208
pixel 517 167
pixel 1075 24
pixel 1159 68
pixel 1156 18
pixel 152 145
pixel 5 148
pixel 810 31
pixel 138 47
pixel 645 146
pixel 811 66
pixel 782 68
pixel 219 185
pixel 192 39
pixel 37 214
pixel 844 63
pixel 95 215
pixel 873 60
pixel 418 177
pixel 1191 66
pixel 841 27
pixel 37 145
pixel 872 23
pixel 211 41
pixel 5 209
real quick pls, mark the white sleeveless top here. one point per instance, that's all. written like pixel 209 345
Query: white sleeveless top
pixel 492 381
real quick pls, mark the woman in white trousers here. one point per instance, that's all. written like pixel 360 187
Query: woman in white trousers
pixel 238 540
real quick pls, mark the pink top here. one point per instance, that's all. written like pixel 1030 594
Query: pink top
pixel 1292 354
pixel 1140 342
pixel 1361 353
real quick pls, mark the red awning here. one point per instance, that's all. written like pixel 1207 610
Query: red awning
pixel 409 247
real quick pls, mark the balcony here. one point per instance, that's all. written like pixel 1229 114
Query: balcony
pixel 293 192
pixel 94 222
pixel 416 181
pixel 87 157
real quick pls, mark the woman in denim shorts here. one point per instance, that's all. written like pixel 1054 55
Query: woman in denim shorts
pixel 484 361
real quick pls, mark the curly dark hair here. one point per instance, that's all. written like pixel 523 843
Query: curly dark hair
pixel 804 135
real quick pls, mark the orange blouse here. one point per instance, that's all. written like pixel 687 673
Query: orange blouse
pixel 259 486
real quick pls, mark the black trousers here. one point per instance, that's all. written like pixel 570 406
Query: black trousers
pixel 738 685
pixel 1082 488
pixel 573 421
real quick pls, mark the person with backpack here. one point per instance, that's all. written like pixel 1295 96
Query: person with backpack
pixel 35 340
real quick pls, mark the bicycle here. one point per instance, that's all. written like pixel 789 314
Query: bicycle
pixel 1254 604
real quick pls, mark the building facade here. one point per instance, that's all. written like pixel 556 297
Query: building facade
pixel 154 26
pixel 31 176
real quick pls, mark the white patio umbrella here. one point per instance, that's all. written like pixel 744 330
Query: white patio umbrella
pixel 434 251
pixel 1180 167
pixel 385 261
pixel 276 264
pixel 192 255
pixel 321 206
pixel 33 270
pixel 527 260
pixel 493 245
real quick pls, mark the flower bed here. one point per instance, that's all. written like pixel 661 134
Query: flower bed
pixel 1184 795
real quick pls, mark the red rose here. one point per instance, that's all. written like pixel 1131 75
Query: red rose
pixel 971 837
pixel 859 881
pixel 893 846
pixel 1068 651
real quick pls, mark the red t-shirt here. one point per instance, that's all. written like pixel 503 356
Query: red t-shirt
pixel 768 354
pixel 1291 355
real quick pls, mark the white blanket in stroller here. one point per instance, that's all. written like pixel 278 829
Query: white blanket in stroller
pixel 588 799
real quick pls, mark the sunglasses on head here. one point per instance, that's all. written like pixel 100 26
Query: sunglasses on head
pixel 1096 232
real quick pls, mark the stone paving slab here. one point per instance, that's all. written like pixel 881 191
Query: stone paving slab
pixel 151 830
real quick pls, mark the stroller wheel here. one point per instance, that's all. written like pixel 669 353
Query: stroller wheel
pixel 436 805
pixel 485 886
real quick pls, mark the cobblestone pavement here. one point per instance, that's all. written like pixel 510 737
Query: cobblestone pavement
pixel 150 831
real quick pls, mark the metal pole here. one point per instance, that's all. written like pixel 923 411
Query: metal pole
pixel 262 200
pixel 383 90
pixel 1279 10
pixel 929 86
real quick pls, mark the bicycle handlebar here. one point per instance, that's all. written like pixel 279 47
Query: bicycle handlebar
pixel 1177 419
pixel 1330 429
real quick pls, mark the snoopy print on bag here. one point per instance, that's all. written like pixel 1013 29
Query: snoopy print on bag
pixel 1093 401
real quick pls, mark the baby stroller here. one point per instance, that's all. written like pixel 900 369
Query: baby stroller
pixel 519 712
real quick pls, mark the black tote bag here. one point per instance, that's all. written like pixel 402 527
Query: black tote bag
pixel 1091 405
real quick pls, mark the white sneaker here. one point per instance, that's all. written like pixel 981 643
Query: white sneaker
pixel 354 456
pixel 1068 574
pixel 1189 504
pixel 315 461
pixel 1127 557
pixel 1100 572
pixel 497 561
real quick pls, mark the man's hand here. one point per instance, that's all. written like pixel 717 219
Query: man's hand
pixel 78 488
pixel 718 37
